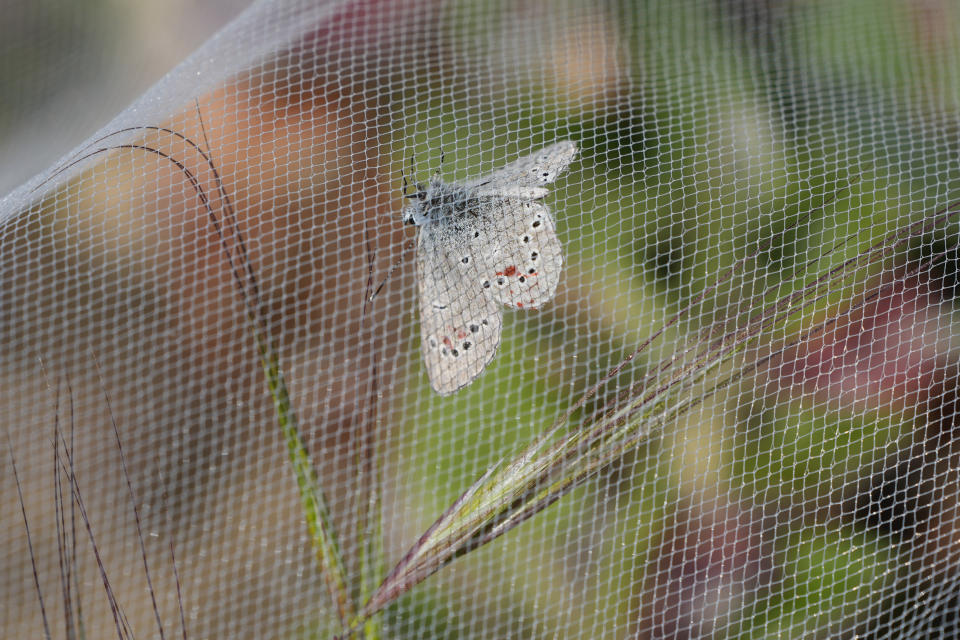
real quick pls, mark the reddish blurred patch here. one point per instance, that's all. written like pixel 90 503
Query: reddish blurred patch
pixel 881 353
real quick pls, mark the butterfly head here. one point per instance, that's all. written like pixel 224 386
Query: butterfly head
pixel 415 212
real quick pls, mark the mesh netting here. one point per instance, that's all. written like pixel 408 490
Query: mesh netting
pixel 242 398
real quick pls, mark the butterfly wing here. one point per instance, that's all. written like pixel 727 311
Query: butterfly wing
pixel 527 177
pixel 460 323
pixel 504 250
pixel 519 254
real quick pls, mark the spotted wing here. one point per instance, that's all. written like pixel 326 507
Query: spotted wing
pixel 528 176
pixel 518 253
pixel 460 322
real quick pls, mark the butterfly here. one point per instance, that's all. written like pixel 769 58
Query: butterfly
pixel 482 245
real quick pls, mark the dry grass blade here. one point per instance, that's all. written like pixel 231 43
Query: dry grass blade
pixel 233 246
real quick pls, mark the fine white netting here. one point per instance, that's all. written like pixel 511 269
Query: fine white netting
pixel 733 420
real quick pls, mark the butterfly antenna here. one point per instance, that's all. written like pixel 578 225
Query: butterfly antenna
pixel 436 174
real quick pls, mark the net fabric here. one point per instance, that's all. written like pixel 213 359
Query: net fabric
pixel 761 190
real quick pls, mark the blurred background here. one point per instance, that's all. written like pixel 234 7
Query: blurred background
pixel 811 493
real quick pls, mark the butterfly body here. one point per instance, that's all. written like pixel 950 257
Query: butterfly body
pixel 482 245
